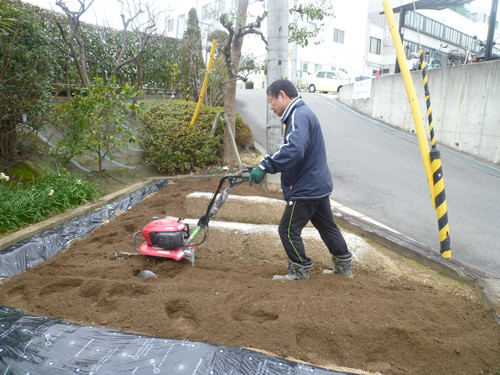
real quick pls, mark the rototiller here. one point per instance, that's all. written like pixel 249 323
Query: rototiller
pixel 170 237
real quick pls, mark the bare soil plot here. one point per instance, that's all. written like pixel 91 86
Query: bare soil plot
pixel 394 317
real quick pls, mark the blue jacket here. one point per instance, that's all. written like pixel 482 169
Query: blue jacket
pixel 301 158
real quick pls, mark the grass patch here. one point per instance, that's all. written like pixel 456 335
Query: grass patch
pixel 24 203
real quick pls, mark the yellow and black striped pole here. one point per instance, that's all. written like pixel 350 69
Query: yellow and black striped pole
pixel 186 105
pixel 433 170
pixel 437 173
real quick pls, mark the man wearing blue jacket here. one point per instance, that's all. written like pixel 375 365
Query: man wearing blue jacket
pixel 306 182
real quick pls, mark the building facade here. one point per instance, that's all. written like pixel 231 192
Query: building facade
pixel 356 39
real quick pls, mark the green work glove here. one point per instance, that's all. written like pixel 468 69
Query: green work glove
pixel 257 174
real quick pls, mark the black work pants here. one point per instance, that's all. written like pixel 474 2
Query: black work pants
pixel 297 214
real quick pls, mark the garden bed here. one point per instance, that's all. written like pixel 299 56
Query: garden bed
pixel 394 317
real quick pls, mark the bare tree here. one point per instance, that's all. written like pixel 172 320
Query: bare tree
pixel 237 29
pixel 73 39
pixel 144 29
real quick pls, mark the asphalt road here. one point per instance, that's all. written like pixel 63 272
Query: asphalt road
pixel 378 171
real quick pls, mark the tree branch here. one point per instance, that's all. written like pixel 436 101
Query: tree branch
pixel 144 36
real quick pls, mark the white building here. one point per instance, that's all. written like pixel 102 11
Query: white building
pixel 356 40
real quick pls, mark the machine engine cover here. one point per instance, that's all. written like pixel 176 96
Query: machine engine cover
pixel 166 240
pixel 165 233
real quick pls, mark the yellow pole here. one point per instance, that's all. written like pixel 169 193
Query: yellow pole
pixel 410 91
pixel 412 97
pixel 205 83
pixel 187 100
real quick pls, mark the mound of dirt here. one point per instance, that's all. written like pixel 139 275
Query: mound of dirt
pixel 394 317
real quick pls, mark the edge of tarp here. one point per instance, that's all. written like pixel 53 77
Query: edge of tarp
pixel 38 345
pixel 38 248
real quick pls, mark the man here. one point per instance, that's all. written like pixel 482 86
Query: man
pixel 306 182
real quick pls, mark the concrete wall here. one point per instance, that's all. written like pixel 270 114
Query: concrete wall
pixel 465 102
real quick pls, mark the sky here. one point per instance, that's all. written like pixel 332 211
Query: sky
pixel 104 12
pixel 108 11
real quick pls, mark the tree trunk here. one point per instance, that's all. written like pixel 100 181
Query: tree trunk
pixel 229 157
pixel 8 147
pixel 81 65
pixel 80 59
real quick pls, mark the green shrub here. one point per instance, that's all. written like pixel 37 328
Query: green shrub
pixel 25 203
pixel 172 145
pixel 95 121
pixel 249 85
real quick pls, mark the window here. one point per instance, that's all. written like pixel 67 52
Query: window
pixel 212 9
pixel 375 44
pixel 170 25
pixel 321 75
pixel 181 26
pixel 410 48
pixel 338 36
pixel 219 6
pixel 438 30
pixel 304 67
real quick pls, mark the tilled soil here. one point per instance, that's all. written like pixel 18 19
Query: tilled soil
pixel 413 321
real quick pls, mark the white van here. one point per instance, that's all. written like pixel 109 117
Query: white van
pixel 328 81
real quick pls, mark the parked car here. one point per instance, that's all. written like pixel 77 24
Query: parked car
pixel 328 81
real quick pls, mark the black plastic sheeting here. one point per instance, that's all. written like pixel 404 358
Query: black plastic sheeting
pixel 41 345
pixel 33 250
pixel 36 345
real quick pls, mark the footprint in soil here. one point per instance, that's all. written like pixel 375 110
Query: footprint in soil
pixel 61 286
pixel 130 227
pixel 258 316
pixel 180 311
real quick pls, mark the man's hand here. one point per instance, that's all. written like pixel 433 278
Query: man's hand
pixel 257 175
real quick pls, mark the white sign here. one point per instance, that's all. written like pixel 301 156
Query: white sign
pixel 362 89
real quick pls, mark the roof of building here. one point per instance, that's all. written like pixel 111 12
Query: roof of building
pixel 431 4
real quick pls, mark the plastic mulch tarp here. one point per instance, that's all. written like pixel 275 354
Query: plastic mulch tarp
pixel 36 345
pixel 41 345
pixel 31 251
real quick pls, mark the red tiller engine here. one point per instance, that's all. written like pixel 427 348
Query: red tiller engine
pixel 165 238
pixel 170 238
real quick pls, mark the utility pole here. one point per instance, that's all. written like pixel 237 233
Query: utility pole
pixel 277 67
pixel 488 49
pixel 293 59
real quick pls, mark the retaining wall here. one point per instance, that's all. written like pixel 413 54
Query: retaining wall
pixel 465 103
